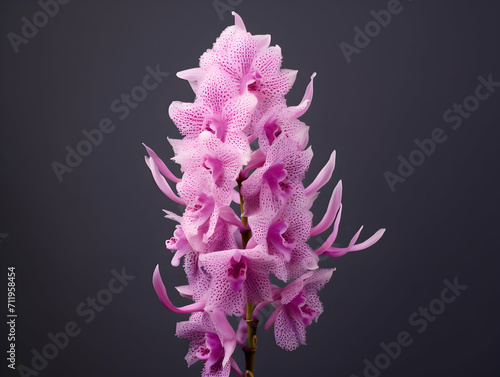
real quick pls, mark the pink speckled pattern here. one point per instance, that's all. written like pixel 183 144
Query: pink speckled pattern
pixel 239 128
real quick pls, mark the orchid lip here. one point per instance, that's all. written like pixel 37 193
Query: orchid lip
pixel 237 272
pixel 275 237
pixel 274 177
pixel 216 125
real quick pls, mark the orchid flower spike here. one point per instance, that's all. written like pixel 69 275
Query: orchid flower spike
pixel 243 216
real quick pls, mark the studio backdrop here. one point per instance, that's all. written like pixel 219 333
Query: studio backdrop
pixel 407 93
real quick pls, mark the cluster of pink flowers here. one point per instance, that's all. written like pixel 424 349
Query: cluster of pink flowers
pixel 243 145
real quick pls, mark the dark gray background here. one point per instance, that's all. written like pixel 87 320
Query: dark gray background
pixel 65 238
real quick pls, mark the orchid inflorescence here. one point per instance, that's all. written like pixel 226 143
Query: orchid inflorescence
pixel 228 259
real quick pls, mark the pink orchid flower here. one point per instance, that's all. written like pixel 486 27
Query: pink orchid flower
pixel 297 305
pixel 212 341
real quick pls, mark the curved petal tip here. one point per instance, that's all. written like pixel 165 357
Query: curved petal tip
pixel 162 295
pixel 238 21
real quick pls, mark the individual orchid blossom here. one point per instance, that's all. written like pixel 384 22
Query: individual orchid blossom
pixel 243 147
pixel 297 305
pixel 212 340
pixel 237 277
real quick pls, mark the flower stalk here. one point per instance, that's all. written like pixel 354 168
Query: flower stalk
pixel 252 341
pixel 251 323
pixel 245 233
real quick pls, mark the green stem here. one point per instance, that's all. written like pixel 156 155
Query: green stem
pixel 246 234
pixel 251 324
pixel 252 342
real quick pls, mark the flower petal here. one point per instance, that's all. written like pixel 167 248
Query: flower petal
pixel 273 317
pixel 227 214
pixel 194 76
pixel 263 41
pixel 162 182
pixel 298 111
pixel 235 367
pixel 331 239
pixel 161 165
pixel 225 332
pixel 331 211
pixel 338 252
pixel 323 177
pixel 162 295
pixel 238 21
